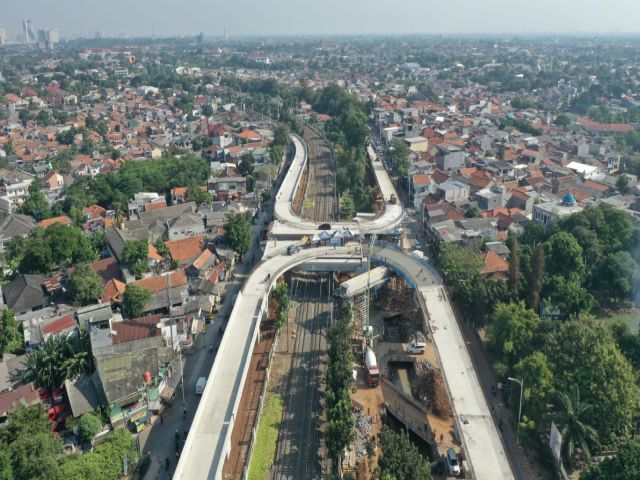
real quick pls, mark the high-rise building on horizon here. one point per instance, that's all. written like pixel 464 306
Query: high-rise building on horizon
pixel 48 37
pixel 3 34
pixel 27 32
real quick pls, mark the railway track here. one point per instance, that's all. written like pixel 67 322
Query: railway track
pixel 300 452
pixel 321 188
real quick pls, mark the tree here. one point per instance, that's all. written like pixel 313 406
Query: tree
pixel 68 244
pixel 347 207
pixel 281 135
pixel 461 268
pixel 613 277
pixel 535 280
pixel 89 426
pixel 625 465
pixel 564 256
pixel 584 355
pixel 512 332
pixel 562 120
pixel 85 285
pixel 43 118
pixel 245 167
pixel 24 116
pixel 105 462
pixel 6 469
pixel 568 296
pixel 239 232
pixel 36 204
pixel 11 340
pixel 9 148
pixel 400 157
pixel 198 195
pixel 538 379
pixel 135 299
pixel 574 428
pixel 58 359
pixel 473 212
pixel 622 183
pixel 206 109
pixel 35 255
pixel 401 459
pixel 135 255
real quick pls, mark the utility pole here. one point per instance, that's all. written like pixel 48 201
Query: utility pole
pixel 521 382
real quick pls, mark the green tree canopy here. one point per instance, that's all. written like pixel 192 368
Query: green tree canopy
pixel 36 204
pixel 85 285
pixel 89 426
pixel 564 256
pixel 135 299
pixel 400 157
pixel 585 356
pixel 58 359
pixel 512 332
pixel 11 340
pixel 135 255
pixel 239 231
pixel 625 465
pixel 401 459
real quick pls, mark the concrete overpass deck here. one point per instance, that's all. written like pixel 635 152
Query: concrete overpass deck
pixel 289 224
pixel 209 439
pixel 208 442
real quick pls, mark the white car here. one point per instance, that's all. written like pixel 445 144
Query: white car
pixel 453 464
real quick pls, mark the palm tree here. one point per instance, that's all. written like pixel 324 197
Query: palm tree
pixel 575 432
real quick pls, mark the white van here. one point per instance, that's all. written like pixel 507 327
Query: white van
pixel 417 348
pixel 200 384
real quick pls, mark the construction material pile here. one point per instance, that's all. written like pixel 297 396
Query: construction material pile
pixel 430 390
pixel 362 434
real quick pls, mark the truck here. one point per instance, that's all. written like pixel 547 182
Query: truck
pixel 373 374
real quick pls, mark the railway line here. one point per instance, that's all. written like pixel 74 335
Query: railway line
pixel 300 452
pixel 321 185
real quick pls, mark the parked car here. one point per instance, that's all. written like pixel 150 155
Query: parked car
pixel 453 464
pixel 417 348
pixel 324 226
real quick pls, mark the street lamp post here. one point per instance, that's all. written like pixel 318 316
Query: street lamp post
pixel 521 382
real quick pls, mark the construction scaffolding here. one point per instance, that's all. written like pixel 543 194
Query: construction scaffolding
pixel 356 293
pixel 396 297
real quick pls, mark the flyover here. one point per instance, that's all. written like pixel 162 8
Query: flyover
pixel 287 223
pixel 208 442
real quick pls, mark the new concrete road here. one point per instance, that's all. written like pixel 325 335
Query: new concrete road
pixel 481 442
pixel 159 438
pixel 208 442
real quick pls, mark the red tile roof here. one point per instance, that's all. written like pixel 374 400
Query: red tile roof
pixel 50 221
pixel 494 263
pixel 186 248
pixel 59 325
pixel 158 283
pixel 25 395
pixel 136 329
pixel 113 291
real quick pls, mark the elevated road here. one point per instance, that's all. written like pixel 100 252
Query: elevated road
pixel 288 224
pixel 208 442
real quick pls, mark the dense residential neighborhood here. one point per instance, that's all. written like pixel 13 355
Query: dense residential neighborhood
pixel 138 183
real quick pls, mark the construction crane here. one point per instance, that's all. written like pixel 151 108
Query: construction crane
pixel 368 329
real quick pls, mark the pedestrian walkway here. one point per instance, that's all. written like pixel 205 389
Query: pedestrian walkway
pixel 503 416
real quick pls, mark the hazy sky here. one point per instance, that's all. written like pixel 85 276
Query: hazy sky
pixel 292 17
